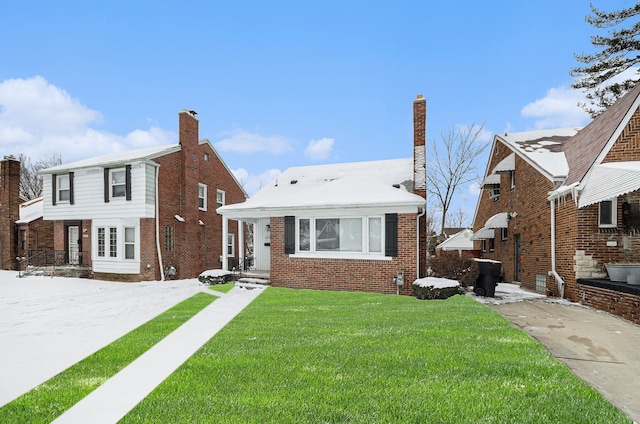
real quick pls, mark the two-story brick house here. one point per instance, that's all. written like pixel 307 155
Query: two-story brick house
pixel 559 205
pixel 350 226
pixel 145 214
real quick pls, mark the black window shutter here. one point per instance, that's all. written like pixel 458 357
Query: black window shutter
pixel 71 188
pixel 391 234
pixel 127 176
pixel 53 189
pixel 289 234
pixel 106 185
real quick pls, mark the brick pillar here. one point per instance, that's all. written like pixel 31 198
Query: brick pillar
pixel 9 211
pixel 419 170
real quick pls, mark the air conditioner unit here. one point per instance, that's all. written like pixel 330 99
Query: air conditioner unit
pixel 494 193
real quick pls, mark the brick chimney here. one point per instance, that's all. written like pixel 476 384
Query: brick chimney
pixel 419 146
pixel 9 211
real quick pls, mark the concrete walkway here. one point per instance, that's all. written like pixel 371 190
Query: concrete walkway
pixel 118 395
pixel 601 349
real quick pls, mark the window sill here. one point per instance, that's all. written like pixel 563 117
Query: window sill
pixel 338 255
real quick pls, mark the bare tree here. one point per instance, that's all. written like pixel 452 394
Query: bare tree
pixel 452 164
pixel 458 219
pixel 30 181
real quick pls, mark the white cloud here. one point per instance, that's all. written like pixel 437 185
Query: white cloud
pixel 241 141
pixel 254 182
pixel 39 119
pixel 557 109
pixel 319 149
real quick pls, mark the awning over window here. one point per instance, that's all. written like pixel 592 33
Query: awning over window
pixel 499 220
pixel 483 234
pixel 506 165
pixel 492 180
pixel 609 180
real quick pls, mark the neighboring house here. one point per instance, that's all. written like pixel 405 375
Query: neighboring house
pixel 35 235
pixel 459 241
pixel 146 214
pixel 559 205
pixel 352 226
pixel 9 212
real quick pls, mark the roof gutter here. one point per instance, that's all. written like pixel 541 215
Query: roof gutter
pixel 420 215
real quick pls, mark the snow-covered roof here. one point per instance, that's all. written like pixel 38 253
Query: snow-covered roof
pixel 542 149
pixel 499 220
pixel 483 234
pixel 609 180
pixel 116 158
pixel 507 164
pixel 459 241
pixel 30 211
pixel 344 185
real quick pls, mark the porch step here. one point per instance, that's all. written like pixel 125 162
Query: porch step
pixel 249 282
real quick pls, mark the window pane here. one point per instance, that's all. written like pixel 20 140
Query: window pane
pixel 118 191
pixel 327 234
pixel 101 241
pixel 113 243
pixel 606 216
pixel 351 234
pixel 63 182
pixel 129 251
pixel 63 195
pixel 375 235
pixel 129 235
pixel 305 234
pixel 201 191
pixel 117 177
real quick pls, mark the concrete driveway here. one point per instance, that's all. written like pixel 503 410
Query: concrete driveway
pixel 601 349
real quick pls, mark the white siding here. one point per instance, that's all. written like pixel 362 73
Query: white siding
pixel 89 201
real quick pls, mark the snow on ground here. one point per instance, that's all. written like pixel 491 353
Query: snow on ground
pixel 508 293
pixel 49 323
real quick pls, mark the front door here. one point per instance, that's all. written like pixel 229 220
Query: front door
pixel 74 245
pixel 516 259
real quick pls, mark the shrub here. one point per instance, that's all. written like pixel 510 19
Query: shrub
pixel 425 290
pixel 455 267
pixel 215 276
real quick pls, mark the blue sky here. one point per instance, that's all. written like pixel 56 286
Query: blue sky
pixel 284 83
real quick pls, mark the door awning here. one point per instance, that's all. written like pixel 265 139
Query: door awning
pixel 483 234
pixel 499 220
pixel 506 165
pixel 610 180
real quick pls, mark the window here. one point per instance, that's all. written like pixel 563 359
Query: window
pixel 64 188
pixel 129 243
pixel 231 244
pixel 512 178
pixel 206 157
pixel 101 242
pixel 113 242
pixel 202 197
pixel 118 183
pixel 607 213
pixel 23 239
pixel 220 198
pixel 503 233
pixel 492 245
pixel 483 247
pixel 353 234
pixel 168 238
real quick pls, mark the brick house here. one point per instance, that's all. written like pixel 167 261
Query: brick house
pixel 146 214
pixel 34 233
pixel 352 226
pixel 9 211
pixel 559 205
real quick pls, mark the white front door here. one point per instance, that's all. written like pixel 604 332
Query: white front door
pixel 262 245
pixel 74 245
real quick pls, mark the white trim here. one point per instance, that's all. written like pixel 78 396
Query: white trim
pixel 614 213
pixel 203 197
pixel 338 255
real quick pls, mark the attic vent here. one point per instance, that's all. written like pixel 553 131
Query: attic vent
pixel 294 181
pixel 396 185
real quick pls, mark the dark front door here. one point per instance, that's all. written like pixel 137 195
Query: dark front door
pixel 516 259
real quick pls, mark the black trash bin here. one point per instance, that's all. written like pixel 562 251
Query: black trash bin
pixel 488 277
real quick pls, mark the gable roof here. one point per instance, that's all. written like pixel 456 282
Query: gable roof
pixel 116 158
pixel 346 185
pixel 583 149
pixel 459 241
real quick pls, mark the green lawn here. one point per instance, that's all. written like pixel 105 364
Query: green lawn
pixel 297 356
pixel 55 396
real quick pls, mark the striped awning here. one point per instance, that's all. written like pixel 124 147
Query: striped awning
pixel 499 220
pixel 483 234
pixel 492 180
pixel 506 165
pixel 610 180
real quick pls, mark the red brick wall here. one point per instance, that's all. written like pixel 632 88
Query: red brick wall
pixel 345 274
pixel 532 224
pixel 39 236
pixel 9 212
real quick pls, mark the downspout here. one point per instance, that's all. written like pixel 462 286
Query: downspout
pixel 158 230
pixel 553 271
pixel 420 215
